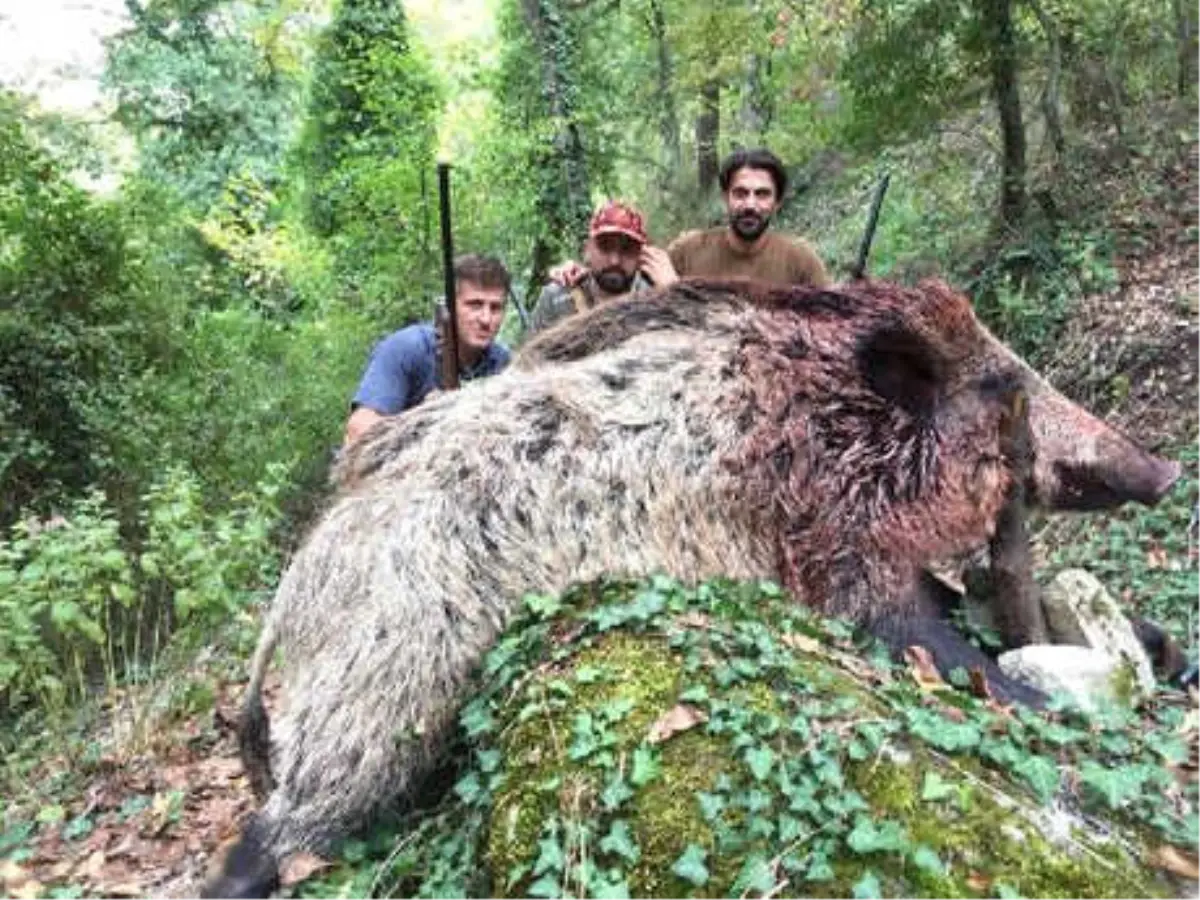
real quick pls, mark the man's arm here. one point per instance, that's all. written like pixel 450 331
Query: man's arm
pixel 553 303
pixel 677 251
pixel 809 268
pixel 360 420
pixel 386 385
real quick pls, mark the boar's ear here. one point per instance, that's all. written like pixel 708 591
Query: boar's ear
pixel 902 368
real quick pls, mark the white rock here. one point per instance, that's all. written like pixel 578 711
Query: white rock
pixel 1090 676
pixel 1080 611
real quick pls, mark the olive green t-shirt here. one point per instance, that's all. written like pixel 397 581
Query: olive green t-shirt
pixel 778 259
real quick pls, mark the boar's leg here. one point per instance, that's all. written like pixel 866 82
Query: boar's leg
pixel 1165 654
pixel 1017 604
pixel 248 870
pixel 950 650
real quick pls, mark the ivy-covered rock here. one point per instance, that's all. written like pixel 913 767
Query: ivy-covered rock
pixel 648 739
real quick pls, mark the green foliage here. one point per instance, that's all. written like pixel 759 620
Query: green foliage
pixel 761 789
pixel 74 595
pixel 368 153
pixel 68 334
pixel 209 90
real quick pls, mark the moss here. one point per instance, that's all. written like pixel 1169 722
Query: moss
pixel 801 757
pixel 986 841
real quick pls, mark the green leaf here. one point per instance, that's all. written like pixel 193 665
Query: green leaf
pixel 615 793
pixel 619 840
pixel 646 766
pixel 550 855
pixel 49 815
pixel 868 886
pixel 934 787
pixel 690 865
pixel 927 860
pixel 606 889
pixel 870 837
pixel 80 826
pixel 546 886
pixel 760 760
pixel 1041 774
pixel 755 875
pixel 819 869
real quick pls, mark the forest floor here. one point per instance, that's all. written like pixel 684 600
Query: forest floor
pixel 140 800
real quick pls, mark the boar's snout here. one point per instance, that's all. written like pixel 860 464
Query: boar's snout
pixel 1082 463
pixel 1090 487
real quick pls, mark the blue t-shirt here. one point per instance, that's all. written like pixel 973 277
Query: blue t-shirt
pixel 403 369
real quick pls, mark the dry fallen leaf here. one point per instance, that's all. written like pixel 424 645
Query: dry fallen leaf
pixel 694 619
pixel 802 642
pixel 125 889
pixel 679 717
pixel 1176 861
pixel 979 882
pixel 300 867
pixel 1156 558
pixel 92 868
pixel 12 874
pixel 922 669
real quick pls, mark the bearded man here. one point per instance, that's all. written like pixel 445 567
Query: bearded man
pixel 752 185
pixel 618 260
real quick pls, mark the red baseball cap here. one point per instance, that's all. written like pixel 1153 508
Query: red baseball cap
pixel 615 217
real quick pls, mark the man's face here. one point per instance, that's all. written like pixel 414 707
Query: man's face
pixel 750 201
pixel 480 312
pixel 613 261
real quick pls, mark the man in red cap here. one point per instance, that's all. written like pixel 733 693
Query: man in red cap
pixel 617 260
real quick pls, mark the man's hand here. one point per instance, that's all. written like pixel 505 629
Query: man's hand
pixel 567 274
pixel 657 265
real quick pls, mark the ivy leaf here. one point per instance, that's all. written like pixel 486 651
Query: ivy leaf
pixel 604 889
pixel 619 840
pixel 1041 774
pixel 925 859
pixel 934 787
pixel 868 886
pixel 760 761
pixel 819 869
pixel 550 858
pixel 546 886
pixel 690 865
pixel 615 793
pixel 646 766
pixel 1114 785
pixel 870 837
pixel 756 876
pixel 710 805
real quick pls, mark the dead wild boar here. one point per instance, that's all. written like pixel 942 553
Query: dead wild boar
pixel 835 440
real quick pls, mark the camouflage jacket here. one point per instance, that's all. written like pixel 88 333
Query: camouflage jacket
pixel 556 302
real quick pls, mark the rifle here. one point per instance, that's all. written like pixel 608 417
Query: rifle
pixel 447 320
pixel 864 248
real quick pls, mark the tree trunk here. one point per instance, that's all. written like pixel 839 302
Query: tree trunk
pixel 1002 49
pixel 668 118
pixel 708 131
pixel 566 206
pixel 1051 105
pixel 1185 39
pixel 756 111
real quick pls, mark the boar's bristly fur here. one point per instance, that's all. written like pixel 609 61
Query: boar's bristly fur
pixel 835 440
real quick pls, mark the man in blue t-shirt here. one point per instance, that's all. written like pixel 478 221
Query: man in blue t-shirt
pixel 403 368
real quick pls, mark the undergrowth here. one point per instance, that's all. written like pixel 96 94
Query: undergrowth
pixel 783 767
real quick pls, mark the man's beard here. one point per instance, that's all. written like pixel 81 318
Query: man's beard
pixel 749 225
pixel 614 281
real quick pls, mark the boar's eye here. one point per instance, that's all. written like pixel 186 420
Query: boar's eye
pixel 902 368
pixel 999 385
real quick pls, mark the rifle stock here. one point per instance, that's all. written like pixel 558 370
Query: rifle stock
pixel 447 319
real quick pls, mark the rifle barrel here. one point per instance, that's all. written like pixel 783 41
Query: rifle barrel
pixel 450 344
pixel 864 247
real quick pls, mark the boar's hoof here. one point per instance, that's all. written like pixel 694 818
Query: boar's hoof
pixel 248 869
